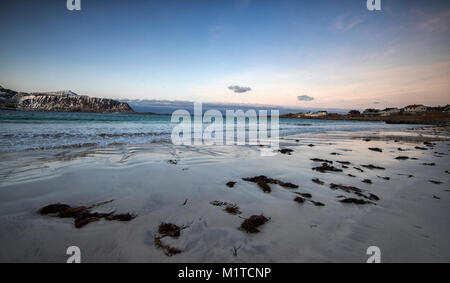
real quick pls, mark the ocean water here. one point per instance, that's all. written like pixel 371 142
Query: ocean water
pixel 23 130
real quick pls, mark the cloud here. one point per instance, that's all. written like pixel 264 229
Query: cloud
pixel 239 89
pixel 376 102
pixel 305 98
pixel 347 22
pixel 436 23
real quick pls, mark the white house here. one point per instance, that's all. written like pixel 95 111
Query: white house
pixel 320 113
pixel 316 114
pixel 390 111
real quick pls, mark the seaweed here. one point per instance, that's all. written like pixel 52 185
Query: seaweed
pixel 229 207
pixel 359 169
pixel 299 199
pixel 402 157
pixel 251 224
pixel 232 209
pixel 263 181
pixel 305 195
pixel 370 196
pixel 355 201
pixel 121 217
pixel 317 203
pixel 376 149
pixel 83 215
pixel 285 151
pixel 169 229
pixel 168 250
pixel 318 181
pixel 371 166
pixel 321 160
pixel 231 184
pixel 54 208
pixel 348 189
pixel 218 203
pixel 353 190
pixel 386 178
pixel 80 222
pixel 368 181
pixel 264 187
pixel 326 168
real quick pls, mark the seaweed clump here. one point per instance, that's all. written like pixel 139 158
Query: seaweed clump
pixel 251 224
pixel 355 201
pixel 354 190
pixel 83 215
pixel 231 184
pixel 231 208
pixel 168 250
pixel 168 230
pixel 286 151
pixel 326 168
pixel 318 181
pixel 263 182
pixel 371 166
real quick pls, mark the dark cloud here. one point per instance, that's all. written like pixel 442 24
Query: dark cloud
pixel 305 98
pixel 239 89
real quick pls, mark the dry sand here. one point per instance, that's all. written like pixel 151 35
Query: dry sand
pixel 410 222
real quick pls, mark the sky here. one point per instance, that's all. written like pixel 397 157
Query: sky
pixel 290 53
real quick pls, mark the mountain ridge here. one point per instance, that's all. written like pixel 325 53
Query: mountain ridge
pixel 59 101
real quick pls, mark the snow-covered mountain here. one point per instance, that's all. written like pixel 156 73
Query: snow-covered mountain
pixel 62 101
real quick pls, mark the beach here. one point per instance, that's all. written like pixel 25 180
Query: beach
pixel 406 210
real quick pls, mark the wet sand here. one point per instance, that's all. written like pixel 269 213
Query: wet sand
pixel 410 222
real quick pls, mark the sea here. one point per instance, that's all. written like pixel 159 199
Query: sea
pixel 31 130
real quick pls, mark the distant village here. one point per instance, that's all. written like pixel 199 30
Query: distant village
pixel 371 112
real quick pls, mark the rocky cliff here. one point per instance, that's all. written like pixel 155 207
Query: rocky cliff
pixel 62 101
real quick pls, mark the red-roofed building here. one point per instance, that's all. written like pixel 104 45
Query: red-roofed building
pixel 415 108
